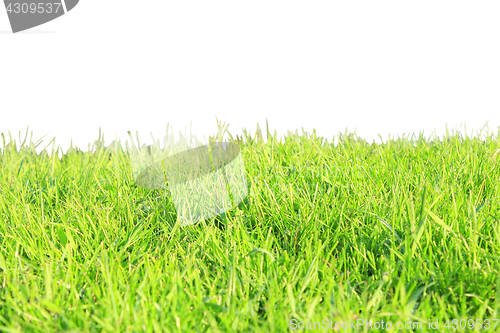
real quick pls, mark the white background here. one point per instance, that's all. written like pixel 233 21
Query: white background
pixel 385 67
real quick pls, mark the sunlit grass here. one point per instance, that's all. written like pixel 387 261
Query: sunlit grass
pixel 403 230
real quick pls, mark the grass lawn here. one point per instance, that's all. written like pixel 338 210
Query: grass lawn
pixel 404 231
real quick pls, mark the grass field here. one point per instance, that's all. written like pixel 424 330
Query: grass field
pixel 403 231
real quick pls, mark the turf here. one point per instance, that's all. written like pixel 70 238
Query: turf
pixel 405 230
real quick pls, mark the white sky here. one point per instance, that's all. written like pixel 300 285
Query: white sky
pixel 385 67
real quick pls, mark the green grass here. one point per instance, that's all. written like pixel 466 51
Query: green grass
pixel 407 230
